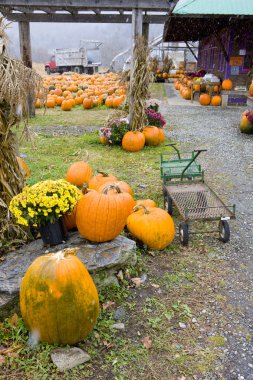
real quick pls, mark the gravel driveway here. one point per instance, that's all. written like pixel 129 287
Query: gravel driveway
pixel 228 166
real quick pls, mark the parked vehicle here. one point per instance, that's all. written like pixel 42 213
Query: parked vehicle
pixel 85 59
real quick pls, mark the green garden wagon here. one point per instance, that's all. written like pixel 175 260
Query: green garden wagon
pixel 185 188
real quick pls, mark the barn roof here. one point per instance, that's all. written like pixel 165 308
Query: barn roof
pixel 192 20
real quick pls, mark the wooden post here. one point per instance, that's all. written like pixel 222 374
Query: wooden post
pixel 145 30
pixel 26 56
pixel 137 21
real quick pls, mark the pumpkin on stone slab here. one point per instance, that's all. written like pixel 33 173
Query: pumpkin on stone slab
pixel 153 226
pixel 58 298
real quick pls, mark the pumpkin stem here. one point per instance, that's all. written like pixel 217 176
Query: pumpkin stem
pixel 140 206
pixel 110 187
pixel 85 188
pixel 103 174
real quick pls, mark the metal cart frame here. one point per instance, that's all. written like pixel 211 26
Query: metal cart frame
pixel 184 187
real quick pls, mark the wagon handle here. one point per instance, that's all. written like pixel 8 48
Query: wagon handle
pixel 172 145
pixel 197 151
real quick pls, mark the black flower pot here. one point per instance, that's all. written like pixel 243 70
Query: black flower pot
pixel 54 233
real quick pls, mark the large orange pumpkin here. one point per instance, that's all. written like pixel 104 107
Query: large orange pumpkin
pixel 161 135
pixel 216 100
pixel 79 173
pixel 204 99
pixel 133 141
pixel 58 298
pixel 99 179
pixel 153 226
pixel 101 217
pixel 227 84
pixel 152 135
pixel 87 103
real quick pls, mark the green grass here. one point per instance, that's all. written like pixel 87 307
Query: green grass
pixel 77 116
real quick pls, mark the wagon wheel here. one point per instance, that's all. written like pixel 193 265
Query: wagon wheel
pixel 183 233
pixel 168 204
pixel 224 231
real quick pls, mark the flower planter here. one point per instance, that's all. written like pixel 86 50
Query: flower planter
pixel 54 233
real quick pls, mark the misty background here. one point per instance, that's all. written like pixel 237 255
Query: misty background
pixel 45 37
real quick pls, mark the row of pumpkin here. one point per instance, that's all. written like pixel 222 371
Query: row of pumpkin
pixel 107 206
pixel 134 141
pixel 88 90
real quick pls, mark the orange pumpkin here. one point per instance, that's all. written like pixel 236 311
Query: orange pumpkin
pixel 70 219
pixel 124 187
pixel 153 226
pixel 152 136
pixel 251 89
pixel 101 217
pixel 161 135
pixel 227 84
pixel 204 99
pixel 79 173
pixel 24 169
pixel 98 180
pixel 87 103
pixel 58 298
pixel 146 202
pixel 133 141
pixel 216 100
pixel 66 105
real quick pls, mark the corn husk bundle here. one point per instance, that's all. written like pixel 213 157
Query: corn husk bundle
pixel 17 83
pixel 139 83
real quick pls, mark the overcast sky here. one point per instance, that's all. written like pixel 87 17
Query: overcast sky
pixel 45 37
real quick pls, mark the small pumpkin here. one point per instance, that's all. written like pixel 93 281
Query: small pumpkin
pixel 133 141
pixel 227 84
pixel 98 180
pixel 216 100
pixel 151 134
pixel 146 203
pixel 79 172
pixel 23 167
pixel 58 298
pixel 204 99
pixel 153 226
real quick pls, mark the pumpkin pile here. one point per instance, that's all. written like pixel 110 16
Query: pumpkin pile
pixel 67 91
pixel 107 206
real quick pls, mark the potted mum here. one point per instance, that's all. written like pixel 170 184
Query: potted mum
pixel 43 205
pixel 114 131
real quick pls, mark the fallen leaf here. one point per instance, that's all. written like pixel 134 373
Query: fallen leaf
pixel 147 342
pixel 120 275
pixel 156 286
pixel 107 304
pixel 14 319
pixel 136 281
pixel 12 354
pixel 108 345
pixel 2 359
pixel 151 253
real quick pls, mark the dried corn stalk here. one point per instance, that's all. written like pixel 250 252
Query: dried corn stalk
pixel 139 83
pixel 16 83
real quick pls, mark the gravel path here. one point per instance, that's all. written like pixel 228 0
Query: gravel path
pixel 228 166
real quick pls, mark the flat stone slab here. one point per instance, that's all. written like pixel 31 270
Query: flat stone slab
pixel 103 261
pixel 67 358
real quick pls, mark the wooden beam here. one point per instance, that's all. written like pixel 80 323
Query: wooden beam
pixel 145 30
pixel 26 56
pixel 152 5
pixel 91 18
